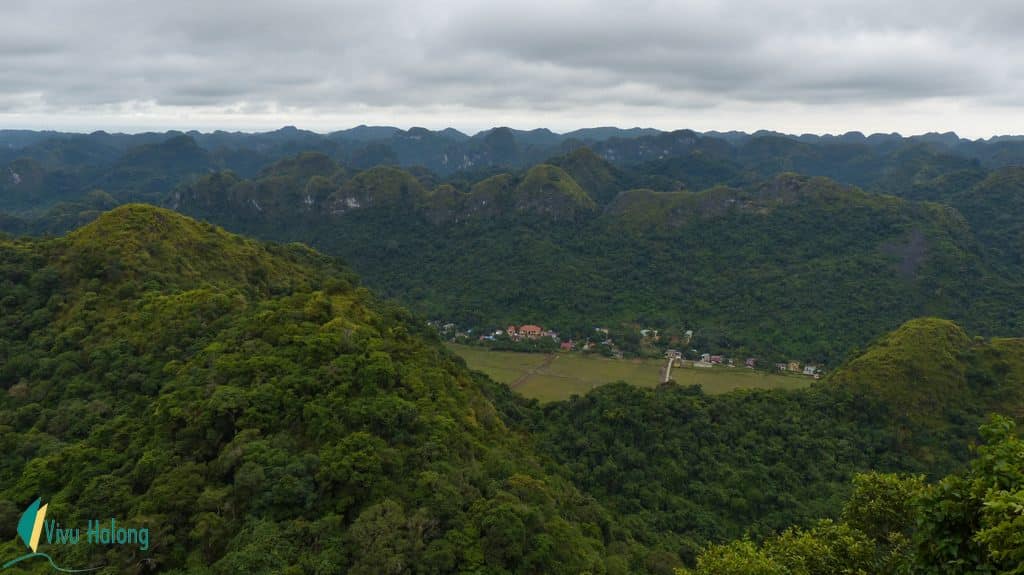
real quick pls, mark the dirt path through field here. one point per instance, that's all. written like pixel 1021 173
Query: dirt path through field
pixel 543 365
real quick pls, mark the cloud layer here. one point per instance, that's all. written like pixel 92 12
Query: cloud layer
pixel 802 65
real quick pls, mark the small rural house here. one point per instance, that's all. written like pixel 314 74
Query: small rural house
pixel 530 331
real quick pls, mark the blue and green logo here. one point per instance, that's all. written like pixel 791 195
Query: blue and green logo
pixel 33 529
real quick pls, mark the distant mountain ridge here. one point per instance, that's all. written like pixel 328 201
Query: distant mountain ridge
pixel 602 225
pixel 144 167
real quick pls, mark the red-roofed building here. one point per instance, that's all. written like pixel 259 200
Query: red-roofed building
pixel 566 345
pixel 530 331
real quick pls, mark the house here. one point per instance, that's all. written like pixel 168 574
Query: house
pixel 511 331
pixel 673 354
pixel 566 345
pixel 705 358
pixel 810 369
pixel 780 366
pixel 530 331
pixel 750 363
pixel 793 366
pixel 716 359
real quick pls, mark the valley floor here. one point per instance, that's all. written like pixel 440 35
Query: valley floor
pixel 554 377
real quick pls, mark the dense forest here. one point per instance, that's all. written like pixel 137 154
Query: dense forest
pixel 263 412
pixel 766 245
pixel 38 169
pixel 780 268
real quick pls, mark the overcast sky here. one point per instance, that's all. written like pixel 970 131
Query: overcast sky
pixel 796 66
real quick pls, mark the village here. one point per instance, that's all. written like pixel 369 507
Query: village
pixel 639 342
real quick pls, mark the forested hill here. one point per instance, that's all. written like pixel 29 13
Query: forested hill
pixel 783 268
pixel 683 468
pixel 260 412
pixel 767 245
pixel 38 169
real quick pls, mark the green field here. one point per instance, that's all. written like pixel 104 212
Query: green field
pixel 551 377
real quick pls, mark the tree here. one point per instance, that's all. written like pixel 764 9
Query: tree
pixel 974 522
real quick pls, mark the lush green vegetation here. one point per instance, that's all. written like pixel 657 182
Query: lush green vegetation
pixel 534 226
pixel 789 268
pixel 560 376
pixel 970 522
pixel 261 412
pixel 683 468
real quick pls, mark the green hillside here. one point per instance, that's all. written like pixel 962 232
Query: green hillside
pixel 598 178
pixel 683 468
pixel 262 413
pixel 969 522
pixel 259 412
pixel 791 267
pixel 993 207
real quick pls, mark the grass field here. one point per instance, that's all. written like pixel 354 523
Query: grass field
pixel 559 376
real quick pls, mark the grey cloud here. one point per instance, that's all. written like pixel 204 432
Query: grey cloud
pixel 613 57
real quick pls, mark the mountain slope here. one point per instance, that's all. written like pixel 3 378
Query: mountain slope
pixel 691 468
pixel 790 267
pixel 993 206
pixel 260 412
pixel 598 178
pixel 231 395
